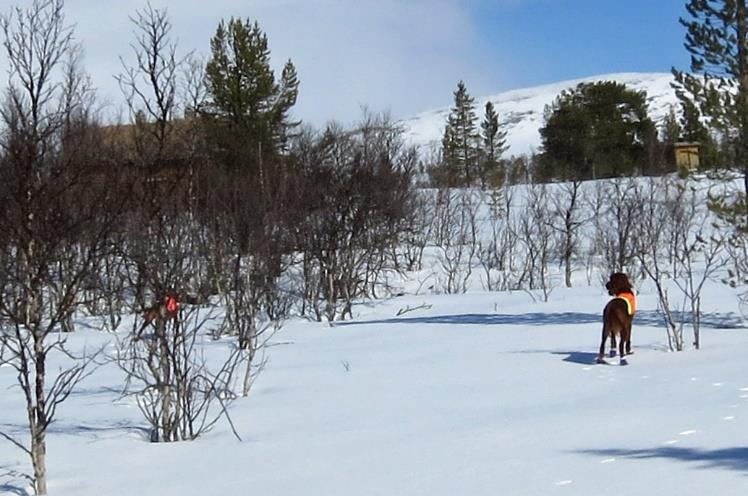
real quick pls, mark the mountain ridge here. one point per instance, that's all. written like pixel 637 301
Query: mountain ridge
pixel 521 110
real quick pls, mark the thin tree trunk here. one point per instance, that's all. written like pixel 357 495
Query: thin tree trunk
pixel 39 422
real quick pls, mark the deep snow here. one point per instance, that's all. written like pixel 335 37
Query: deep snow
pixel 483 393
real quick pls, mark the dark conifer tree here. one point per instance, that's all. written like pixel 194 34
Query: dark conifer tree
pixel 448 173
pixel 694 130
pixel 597 130
pixel 460 144
pixel 717 39
pixel 247 107
pixel 494 144
pixel 671 128
pixel 247 122
pixel 671 134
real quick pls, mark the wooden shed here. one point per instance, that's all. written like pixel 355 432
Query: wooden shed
pixel 686 156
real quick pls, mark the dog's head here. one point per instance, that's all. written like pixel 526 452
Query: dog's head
pixel 618 283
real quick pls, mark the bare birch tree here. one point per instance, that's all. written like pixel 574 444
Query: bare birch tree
pixel 497 253
pixel 620 214
pixel 167 373
pixel 151 83
pixel 567 221
pixel 52 225
pixel 456 238
pixel 536 235
pixel 678 242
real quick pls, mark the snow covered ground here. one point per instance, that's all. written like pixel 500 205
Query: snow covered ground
pixel 480 394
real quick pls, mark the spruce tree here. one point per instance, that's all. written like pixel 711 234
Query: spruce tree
pixel 694 130
pixel 288 93
pixel 461 139
pixel 671 134
pixel 717 38
pixel 493 139
pixel 248 107
pixel 671 128
pixel 247 123
pixel 448 173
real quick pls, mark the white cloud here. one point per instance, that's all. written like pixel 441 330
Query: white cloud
pixel 399 55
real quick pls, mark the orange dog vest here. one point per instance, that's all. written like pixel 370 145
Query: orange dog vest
pixel 630 300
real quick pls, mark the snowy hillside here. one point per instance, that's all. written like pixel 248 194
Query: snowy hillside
pixel 521 111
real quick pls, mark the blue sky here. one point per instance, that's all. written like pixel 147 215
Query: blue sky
pixel 403 56
pixel 548 40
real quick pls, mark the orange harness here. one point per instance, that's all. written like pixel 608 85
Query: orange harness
pixel 172 305
pixel 630 300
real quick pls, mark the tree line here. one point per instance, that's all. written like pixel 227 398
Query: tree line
pixel 603 129
pixel 595 130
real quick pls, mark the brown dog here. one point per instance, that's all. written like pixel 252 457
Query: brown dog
pixel 618 316
pixel 166 308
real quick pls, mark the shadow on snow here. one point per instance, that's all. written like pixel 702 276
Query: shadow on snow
pixel 96 431
pixel 643 318
pixel 579 357
pixel 10 488
pixel 728 458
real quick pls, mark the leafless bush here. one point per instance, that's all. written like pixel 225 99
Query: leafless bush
pixel 53 229
pixel 255 310
pixel 697 249
pixel 677 241
pixel 567 221
pixel 536 236
pixel 653 233
pixel 353 197
pixel 168 376
pixel 616 225
pixel 150 84
pixel 496 255
pixel 456 240
pixel 418 229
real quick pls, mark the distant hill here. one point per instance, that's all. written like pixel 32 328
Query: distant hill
pixel 521 111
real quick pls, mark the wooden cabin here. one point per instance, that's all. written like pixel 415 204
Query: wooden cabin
pixel 686 156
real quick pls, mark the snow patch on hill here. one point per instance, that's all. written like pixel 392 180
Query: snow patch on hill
pixel 521 110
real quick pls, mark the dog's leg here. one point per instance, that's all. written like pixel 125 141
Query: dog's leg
pixel 613 345
pixel 628 340
pixel 601 354
pixel 139 332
